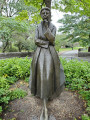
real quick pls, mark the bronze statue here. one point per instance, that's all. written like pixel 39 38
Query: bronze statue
pixel 47 75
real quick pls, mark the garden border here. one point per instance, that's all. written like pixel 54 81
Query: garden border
pixel 16 54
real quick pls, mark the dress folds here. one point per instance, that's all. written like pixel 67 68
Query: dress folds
pixel 47 75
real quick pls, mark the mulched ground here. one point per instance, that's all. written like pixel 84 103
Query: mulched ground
pixel 67 106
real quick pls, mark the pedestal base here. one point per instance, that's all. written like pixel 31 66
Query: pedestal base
pixel 51 117
pixel 35 118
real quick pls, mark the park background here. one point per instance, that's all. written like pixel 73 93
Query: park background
pixel 18 20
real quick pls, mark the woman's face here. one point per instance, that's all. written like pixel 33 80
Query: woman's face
pixel 45 14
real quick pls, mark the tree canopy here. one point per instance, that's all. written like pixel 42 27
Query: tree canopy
pixel 73 6
pixel 39 3
pixel 18 12
pixel 77 28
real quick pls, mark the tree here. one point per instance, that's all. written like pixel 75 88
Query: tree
pixel 39 3
pixel 10 8
pixel 59 41
pixel 10 26
pixel 73 6
pixel 7 27
pixel 76 28
pixel 25 41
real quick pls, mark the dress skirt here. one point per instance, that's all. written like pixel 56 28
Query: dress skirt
pixel 45 76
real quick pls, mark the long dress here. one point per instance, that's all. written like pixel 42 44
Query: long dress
pixel 47 75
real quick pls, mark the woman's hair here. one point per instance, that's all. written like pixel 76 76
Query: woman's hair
pixel 45 8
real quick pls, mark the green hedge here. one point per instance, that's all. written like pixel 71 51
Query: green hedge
pixel 77 75
pixel 12 70
pixel 17 67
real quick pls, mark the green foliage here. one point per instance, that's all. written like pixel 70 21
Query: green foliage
pixel 17 93
pixel 15 29
pixel 11 79
pixel 85 94
pixel 76 28
pixel 34 3
pixel 26 79
pixel 76 72
pixel 29 9
pixel 75 69
pixel 4 91
pixel 8 26
pixel 88 108
pixel 17 67
pixel 10 71
pixel 85 117
pixel 78 6
pixel 14 7
pixel 12 49
pixel 59 41
pixel 6 94
pixel 4 83
pixel 77 75
pixel 16 36
pixel 22 15
pixel 0 109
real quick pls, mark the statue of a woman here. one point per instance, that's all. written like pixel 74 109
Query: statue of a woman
pixel 47 75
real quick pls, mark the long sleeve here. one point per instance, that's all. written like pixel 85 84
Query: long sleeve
pixel 50 35
pixel 40 42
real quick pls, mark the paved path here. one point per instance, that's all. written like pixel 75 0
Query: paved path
pixel 73 55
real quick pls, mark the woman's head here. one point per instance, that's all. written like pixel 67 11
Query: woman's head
pixel 45 13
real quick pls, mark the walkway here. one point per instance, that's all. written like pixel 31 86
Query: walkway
pixel 73 55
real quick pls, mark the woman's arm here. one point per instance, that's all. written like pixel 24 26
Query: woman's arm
pixel 39 42
pixel 50 35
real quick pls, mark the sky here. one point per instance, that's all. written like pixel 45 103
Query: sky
pixel 56 15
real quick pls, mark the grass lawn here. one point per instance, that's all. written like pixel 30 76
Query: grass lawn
pixel 0 51
pixel 68 49
pixel 85 50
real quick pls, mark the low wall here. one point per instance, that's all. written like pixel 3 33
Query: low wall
pixel 83 54
pixel 15 54
pixel 81 49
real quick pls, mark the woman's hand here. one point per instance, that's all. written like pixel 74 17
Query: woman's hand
pixel 46 23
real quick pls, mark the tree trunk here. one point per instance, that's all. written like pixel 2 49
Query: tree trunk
pixel 48 3
pixel 1 9
pixel 4 47
pixel 19 48
pixel 88 49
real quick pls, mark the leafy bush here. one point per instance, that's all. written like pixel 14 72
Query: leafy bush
pixel 85 117
pixel 4 83
pixel 17 93
pixel 12 49
pixel 77 75
pixel 76 69
pixel 17 67
pixel 26 79
pixel 12 79
pixel 10 71
pixel 6 94
pixel 0 109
